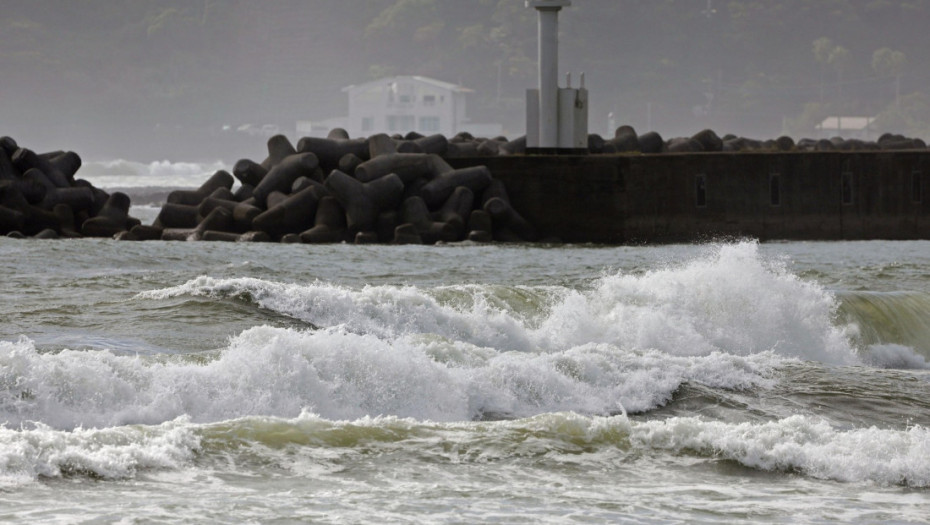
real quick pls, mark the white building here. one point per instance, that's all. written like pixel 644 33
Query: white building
pixel 846 127
pixel 408 103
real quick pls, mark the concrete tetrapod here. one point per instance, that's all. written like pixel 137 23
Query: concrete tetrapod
pixel 480 226
pixel 177 216
pixel 80 198
pixel 218 220
pixel 282 176
pixel 67 226
pixel 330 151
pixel 414 211
pixel 457 209
pixel 220 179
pixel 364 201
pixel 249 172
pixel 113 217
pixel 294 214
pixel 68 163
pixel 625 140
pixel 380 144
pixel 279 148
pixel 348 163
pixel 11 220
pixel 329 223
pixel 505 217
pixel 408 166
pixel 25 159
pixel 436 191
pixel 432 144
pixel 407 233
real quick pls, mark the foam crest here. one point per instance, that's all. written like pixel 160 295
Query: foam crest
pixel 730 300
pixel 800 443
pixel 895 356
pixel 113 453
pixel 387 312
pixel 345 375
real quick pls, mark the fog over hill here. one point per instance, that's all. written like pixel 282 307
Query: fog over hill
pixel 157 79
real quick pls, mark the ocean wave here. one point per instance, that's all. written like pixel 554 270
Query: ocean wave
pixel 28 454
pixel 795 445
pixel 343 375
pixel 802 444
pixel 892 326
pixel 730 300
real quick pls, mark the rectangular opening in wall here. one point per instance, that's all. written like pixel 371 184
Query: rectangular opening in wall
pixel 847 187
pixel 774 189
pixel 916 190
pixel 700 190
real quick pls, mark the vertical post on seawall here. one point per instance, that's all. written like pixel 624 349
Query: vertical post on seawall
pixel 554 117
pixel 548 69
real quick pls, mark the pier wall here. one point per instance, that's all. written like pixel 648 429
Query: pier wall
pixel 699 196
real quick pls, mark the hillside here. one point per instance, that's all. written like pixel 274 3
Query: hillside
pixel 152 78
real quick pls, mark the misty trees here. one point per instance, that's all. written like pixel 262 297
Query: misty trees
pixel 210 62
pixel 909 114
pixel 828 54
pixel 887 62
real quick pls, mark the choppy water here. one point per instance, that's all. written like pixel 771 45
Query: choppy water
pixel 738 382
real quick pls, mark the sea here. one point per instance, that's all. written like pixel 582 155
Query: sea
pixel 729 381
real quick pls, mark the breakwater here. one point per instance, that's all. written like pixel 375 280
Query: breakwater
pixel 807 195
pixel 40 197
pixel 426 189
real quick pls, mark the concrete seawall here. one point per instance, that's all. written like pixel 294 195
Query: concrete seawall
pixel 698 196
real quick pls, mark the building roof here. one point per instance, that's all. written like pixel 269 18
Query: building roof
pixel 846 123
pixel 424 80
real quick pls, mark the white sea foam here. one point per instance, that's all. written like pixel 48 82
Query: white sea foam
pixel 628 342
pixel 895 356
pixel 387 312
pixel 797 444
pixel 732 301
pixel 128 174
pixel 800 443
pixel 112 453
pixel 344 375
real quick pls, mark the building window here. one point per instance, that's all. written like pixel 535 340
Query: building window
pixel 429 100
pixel 916 193
pixel 775 189
pixel 847 187
pixel 400 123
pixel 405 99
pixel 700 190
pixel 368 123
pixel 429 124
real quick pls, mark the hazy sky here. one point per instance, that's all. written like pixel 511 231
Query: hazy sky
pixel 159 79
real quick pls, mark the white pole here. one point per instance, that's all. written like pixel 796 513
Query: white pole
pixel 548 13
pixel 548 77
